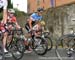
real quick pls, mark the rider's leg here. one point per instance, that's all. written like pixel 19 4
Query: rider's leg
pixel 27 27
pixel 4 41
pixel 9 38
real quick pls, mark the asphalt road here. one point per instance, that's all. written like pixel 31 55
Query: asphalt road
pixel 59 54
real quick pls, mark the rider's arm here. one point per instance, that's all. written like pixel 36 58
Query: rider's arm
pixel 5 11
pixel 4 16
pixel 32 18
pixel 15 21
pixel 30 23
pixel 17 25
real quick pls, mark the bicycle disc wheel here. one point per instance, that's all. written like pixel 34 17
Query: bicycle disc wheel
pixel 40 46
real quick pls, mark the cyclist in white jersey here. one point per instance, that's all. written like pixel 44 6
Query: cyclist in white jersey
pixel 3 5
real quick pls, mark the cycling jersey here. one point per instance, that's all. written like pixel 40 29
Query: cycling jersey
pixel 37 27
pixel 3 3
pixel 12 19
pixel 35 17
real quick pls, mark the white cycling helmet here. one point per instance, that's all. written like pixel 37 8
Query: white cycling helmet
pixel 11 11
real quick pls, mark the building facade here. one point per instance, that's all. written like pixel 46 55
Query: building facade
pixel 34 4
pixel 30 6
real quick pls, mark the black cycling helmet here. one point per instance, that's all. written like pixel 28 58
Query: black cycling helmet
pixel 40 9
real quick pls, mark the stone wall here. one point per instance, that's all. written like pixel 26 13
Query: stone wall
pixel 60 20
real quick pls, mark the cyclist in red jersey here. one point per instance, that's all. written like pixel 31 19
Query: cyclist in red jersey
pixel 12 19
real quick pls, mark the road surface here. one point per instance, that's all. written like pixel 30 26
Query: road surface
pixel 59 54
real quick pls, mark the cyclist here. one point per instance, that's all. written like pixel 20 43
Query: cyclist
pixel 43 24
pixel 38 28
pixel 12 19
pixel 11 24
pixel 33 18
pixel 3 6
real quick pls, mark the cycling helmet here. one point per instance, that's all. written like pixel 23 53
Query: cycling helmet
pixel 11 11
pixel 40 9
pixel 43 23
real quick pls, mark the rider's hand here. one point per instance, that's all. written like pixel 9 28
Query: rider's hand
pixel 3 23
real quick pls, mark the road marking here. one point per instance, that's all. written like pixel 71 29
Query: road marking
pixel 58 55
pixel 0 57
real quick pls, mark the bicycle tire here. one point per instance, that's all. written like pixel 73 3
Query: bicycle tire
pixel 20 51
pixel 42 42
pixel 2 51
pixel 20 43
pixel 49 42
pixel 17 57
pixel 65 42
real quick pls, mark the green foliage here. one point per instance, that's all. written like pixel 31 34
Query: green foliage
pixel 20 13
pixel 21 17
pixel 1 14
pixel 9 4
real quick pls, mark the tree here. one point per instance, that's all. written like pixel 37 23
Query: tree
pixel 10 5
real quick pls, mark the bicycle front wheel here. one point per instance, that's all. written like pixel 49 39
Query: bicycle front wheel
pixel 18 52
pixel 41 46
pixel 17 55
